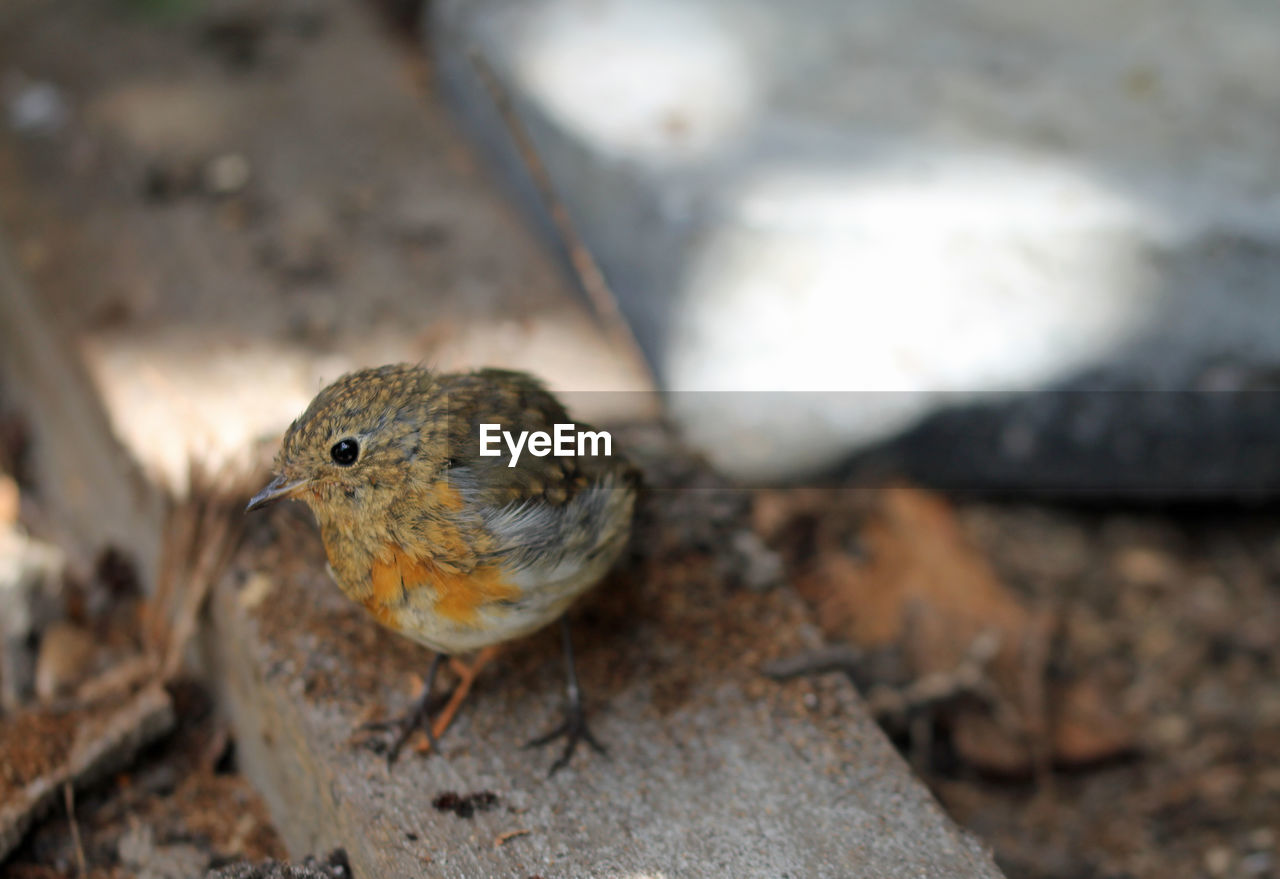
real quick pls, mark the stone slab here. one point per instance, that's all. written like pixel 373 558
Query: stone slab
pixel 917 206
pixel 711 771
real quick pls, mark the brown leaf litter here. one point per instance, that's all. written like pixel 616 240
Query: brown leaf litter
pixel 916 586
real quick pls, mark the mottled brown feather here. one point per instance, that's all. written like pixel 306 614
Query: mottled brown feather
pixel 405 527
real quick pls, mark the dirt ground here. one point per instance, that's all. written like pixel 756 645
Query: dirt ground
pixel 1167 617
pixel 1177 615
pixel 180 810
pixel 1165 620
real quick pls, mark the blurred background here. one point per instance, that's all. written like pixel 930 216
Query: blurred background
pixel 976 302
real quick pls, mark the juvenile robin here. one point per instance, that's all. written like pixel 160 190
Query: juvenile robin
pixel 457 550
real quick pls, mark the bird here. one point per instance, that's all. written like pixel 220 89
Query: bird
pixel 446 541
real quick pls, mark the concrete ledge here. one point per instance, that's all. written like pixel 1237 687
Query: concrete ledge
pixel 712 770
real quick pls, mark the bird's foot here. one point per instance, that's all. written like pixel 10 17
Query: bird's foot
pixel 404 725
pixel 466 674
pixel 443 707
pixel 572 729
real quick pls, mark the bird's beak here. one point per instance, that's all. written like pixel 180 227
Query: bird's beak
pixel 276 489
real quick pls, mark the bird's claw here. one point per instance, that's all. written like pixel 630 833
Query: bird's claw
pixel 573 729
pixel 417 717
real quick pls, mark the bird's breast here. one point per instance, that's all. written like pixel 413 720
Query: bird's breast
pixel 401 581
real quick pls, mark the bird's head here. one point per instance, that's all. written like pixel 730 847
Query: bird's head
pixel 358 443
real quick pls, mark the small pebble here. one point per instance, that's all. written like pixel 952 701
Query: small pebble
pixel 38 108
pixel 257 586
pixel 1156 641
pixel 1262 838
pixel 227 175
pixel 1144 566
pixel 762 566
pixel 1171 731
pixel 1257 864
pixel 1217 860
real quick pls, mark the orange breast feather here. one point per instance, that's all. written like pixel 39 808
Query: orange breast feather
pixel 458 596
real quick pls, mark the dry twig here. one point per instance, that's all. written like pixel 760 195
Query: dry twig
pixel 111 716
pixel 102 741
pixel 899 706
pixel 507 835
pixel 202 534
pixel 69 800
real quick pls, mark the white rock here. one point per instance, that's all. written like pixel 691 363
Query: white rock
pixel 36 107
pixel 918 202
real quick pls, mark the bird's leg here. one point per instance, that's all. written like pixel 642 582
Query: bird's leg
pixel 574 726
pixel 415 717
pixel 466 677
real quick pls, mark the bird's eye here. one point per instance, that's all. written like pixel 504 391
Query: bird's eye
pixel 345 452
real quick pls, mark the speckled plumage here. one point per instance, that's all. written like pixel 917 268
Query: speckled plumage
pixel 449 548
